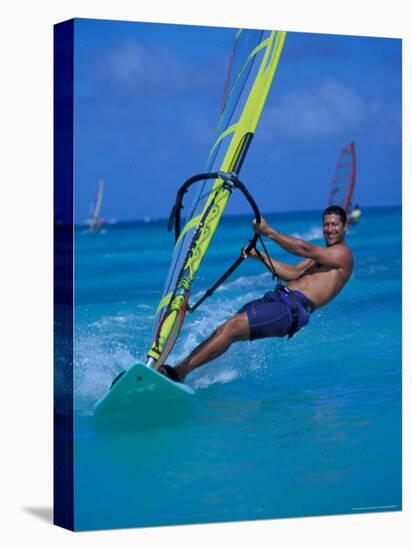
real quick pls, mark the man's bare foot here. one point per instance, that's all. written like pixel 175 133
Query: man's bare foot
pixel 169 372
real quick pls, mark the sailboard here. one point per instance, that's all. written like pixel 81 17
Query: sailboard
pixel 142 397
pixel 95 223
pixel 344 179
pixel 252 67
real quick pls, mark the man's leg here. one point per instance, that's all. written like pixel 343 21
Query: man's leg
pixel 234 329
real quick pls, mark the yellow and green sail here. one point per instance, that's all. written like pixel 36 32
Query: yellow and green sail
pixel 253 65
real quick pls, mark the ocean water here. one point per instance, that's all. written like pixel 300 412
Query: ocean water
pixel 279 428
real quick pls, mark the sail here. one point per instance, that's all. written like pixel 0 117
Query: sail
pixel 252 67
pixel 99 199
pixel 95 222
pixel 344 178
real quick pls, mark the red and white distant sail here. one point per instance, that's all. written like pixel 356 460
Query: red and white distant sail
pixel 344 179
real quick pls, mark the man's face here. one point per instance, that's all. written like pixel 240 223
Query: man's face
pixel 333 229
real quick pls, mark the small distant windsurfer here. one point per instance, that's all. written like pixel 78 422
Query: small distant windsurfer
pixel 311 284
pixel 96 225
pixel 355 214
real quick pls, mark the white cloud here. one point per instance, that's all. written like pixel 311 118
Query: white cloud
pixel 134 68
pixel 328 109
pixel 126 62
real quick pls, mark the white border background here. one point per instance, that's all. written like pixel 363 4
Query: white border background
pixel 26 270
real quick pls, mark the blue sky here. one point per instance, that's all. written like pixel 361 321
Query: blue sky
pixel 147 99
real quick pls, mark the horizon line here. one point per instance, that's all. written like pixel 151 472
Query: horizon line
pixel 150 219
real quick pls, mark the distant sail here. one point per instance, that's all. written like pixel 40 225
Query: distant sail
pixel 96 222
pixel 344 179
pixel 251 70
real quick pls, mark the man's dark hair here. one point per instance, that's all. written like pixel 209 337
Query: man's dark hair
pixel 335 209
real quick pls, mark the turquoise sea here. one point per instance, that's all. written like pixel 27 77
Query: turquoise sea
pixel 279 428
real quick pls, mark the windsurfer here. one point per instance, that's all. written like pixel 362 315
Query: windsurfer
pixel 312 283
pixel 355 214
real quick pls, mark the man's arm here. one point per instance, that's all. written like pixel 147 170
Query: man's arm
pixel 291 272
pixel 284 271
pixel 332 256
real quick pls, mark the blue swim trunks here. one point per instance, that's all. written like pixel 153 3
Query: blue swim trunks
pixel 273 315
